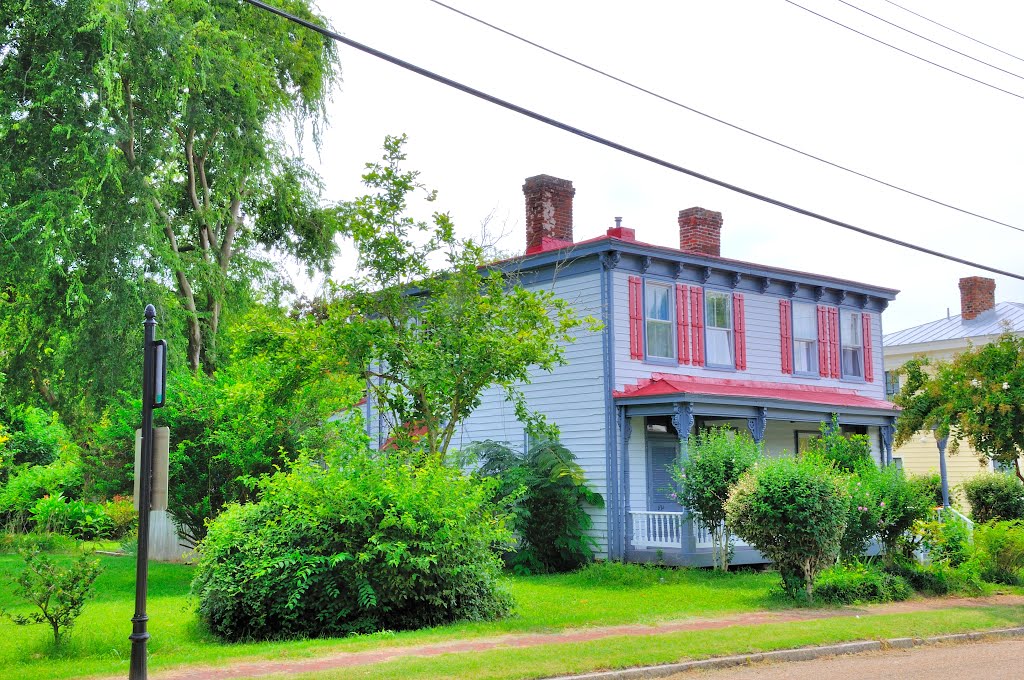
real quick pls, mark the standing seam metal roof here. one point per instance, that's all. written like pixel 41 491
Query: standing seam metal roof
pixel 1004 316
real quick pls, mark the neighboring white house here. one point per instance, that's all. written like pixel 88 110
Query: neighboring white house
pixel 981 320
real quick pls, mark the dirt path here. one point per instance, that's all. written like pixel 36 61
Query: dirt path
pixel 253 669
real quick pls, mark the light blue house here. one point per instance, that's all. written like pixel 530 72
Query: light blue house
pixel 690 340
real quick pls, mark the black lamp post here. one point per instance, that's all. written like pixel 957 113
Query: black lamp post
pixel 154 371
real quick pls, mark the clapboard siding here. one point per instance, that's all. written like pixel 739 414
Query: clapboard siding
pixel 764 353
pixel 571 396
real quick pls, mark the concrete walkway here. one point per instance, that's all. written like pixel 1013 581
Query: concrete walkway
pixel 255 669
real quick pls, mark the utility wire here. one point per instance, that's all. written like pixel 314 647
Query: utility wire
pixel 964 35
pixel 934 42
pixel 615 145
pixel 909 54
pixel 723 122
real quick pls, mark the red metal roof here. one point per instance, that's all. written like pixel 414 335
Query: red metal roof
pixel 664 384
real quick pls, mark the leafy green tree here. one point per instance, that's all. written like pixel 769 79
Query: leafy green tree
pixel 978 397
pixel 715 460
pixel 428 343
pixel 59 592
pixel 547 490
pixel 142 158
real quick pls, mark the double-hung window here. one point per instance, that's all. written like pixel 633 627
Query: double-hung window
pixel 805 338
pixel 851 335
pixel 659 305
pixel 718 328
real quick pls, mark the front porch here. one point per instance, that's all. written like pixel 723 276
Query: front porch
pixel 654 432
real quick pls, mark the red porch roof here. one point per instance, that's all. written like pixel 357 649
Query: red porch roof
pixel 663 384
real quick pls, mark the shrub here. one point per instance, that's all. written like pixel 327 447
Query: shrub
pixel 28 485
pixel 857 582
pixel 87 521
pixel 928 486
pixel 715 460
pixel 947 539
pixel 938 578
pixel 548 493
pixel 999 550
pixel 59 592
pixel 354 543
pixel 994 496
pixel 847 453
pixel 863 514
pixel 794 512
pixel 900 504
pixel 122 514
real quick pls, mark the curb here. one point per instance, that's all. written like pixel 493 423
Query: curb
pixel 800 654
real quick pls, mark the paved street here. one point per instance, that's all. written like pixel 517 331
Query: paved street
pixel 998 660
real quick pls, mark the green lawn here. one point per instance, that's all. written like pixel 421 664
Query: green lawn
pixel 605 595
pixel 99 643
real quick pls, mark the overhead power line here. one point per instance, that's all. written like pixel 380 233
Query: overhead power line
pixel 724 122
pixel 615 145
pixel 934 42
pixel 953 30
pixel 906 52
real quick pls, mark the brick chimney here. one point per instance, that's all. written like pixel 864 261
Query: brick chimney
pixel 700 231
pixel 977 295
pixel 548 213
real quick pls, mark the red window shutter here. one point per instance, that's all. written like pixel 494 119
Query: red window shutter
pixel 823 364
pixel 682 325
pixel 635 319
pixel 869 367
pixel 786 335
pixel 697 326
pixel 739 331
pixel 833 340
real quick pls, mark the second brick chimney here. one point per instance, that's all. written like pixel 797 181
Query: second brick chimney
pixel 700 231
pixel 548 213
pixel 977 295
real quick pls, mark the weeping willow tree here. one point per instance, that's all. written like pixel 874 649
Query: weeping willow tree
pixel 143 157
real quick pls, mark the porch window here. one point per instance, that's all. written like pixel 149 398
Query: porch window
pixel 851 335
pixel 659 305
pixel 718 328
pixel 805 338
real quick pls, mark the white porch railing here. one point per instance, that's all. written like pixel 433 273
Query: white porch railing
pixel 703 536
pixel 658 529
pixel 663 529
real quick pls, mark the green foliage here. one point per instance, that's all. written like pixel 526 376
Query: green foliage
pixel 938 578
pixel 715 460
pixel 354 543
pixel 847 453
pixel 994 496
pixel 929 486
pixel 864 514
pixel 946 538
pixel 860 582
pixel 428 343
pixel 19 496
pixel 283 382
pixel 59 592
pixel 547 491
pixel 999 550
pixel 76 518
pixel 174 180
pixel 977 397
pixel 794 512
pixel 901 503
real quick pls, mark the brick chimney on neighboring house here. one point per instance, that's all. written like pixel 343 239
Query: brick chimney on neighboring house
pixel 977 295
pixel 548 213
pixel 700 231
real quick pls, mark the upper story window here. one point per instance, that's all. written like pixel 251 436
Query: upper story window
pixel 718 324
pixel 658 318
pixel 805 338
pixel 851 336
pixel 892 384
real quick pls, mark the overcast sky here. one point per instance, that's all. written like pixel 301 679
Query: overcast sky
pixel 762 64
